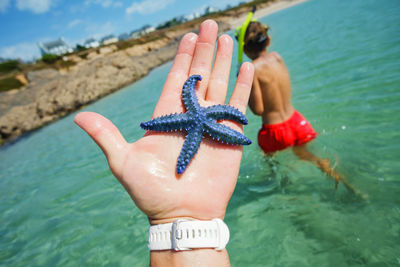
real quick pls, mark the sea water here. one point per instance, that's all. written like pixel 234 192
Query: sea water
pixel 61 206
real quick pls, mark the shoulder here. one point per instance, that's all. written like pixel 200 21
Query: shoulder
pixel 276 56
pixel 268 59
pixel 263 72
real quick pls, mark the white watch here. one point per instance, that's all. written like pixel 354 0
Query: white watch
pixel 187 235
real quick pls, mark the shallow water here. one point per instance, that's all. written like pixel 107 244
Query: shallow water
pixel 60 205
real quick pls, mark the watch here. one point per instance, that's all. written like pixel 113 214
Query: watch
pixel 186 235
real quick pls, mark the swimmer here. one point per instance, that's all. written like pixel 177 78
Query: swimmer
pixel 282 125
pixel 198 198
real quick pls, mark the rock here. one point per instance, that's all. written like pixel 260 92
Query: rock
pixel 41 75
pixel 22 79
pixel 107 49
pixel 92 55
pixel 50 95
pixel 19 120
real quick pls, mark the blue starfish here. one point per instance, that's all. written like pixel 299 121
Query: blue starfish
pixel 198 121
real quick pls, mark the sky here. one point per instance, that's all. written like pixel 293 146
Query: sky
pixel 24 23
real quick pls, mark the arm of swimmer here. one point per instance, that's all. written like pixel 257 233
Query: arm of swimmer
pixel 256 101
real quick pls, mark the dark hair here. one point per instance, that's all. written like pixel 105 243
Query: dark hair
pixel 256 37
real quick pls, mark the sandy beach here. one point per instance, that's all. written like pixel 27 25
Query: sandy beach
pixel 265 11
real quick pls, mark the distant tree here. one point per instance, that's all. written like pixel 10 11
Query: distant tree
pixel 170 23
pixel 50 58
pixel 10 83
pixel 80 48
pixel 9 66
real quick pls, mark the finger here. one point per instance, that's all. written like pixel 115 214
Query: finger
pixel 106 136
pixel 177 76
pixel 241 93
pixel 203 54
pixel 218 84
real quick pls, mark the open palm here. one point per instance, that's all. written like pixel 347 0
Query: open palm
pixel 147 168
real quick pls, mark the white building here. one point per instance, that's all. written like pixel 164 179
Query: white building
pixel 148 29
pixel 209 10
pixel 109 39
pixel 192 16
pixel 57 47
pixel 91 43
pixel 142 31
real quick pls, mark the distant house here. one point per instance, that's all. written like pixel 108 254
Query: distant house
pixel 210 9
pixel 148 29
pixel 142 31
pixel 57 47
pixel 135 34
pixel 109 39
pixel 91 43
pixel 192 16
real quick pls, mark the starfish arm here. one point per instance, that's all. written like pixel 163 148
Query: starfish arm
pixel 225 112
pixel 189 96
pixel 189 148
pixel 225 134
pixel 167 123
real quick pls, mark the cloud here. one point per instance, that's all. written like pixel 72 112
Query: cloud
pixel 104 3
pixel 24 51
pixel 36 6
pixel 100 30
pixel 4 5
pixel 148 6
pixel 74 23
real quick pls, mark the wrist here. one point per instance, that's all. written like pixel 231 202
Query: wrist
pixel 188 234
pixel 195 257
pixel 170 220
pixel 192 257
pixel 155 221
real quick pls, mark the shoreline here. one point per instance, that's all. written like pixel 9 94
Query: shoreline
pixel 267 10
pixel 51 94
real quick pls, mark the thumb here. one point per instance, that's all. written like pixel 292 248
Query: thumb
pixel 106 135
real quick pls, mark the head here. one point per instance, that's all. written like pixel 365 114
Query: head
pixel 256 39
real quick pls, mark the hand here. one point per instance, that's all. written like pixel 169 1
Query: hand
pixel 147 168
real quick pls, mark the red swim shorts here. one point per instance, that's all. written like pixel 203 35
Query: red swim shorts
pixel 292 132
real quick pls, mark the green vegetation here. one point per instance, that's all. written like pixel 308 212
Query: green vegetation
pixel 65 64
pixel 253 3
pixel 9 83
pixel 80 48
pixel 170 23
pixel 83 55
pixel 9 66
pixel 50 58
pixel 56 61
pixel 153 36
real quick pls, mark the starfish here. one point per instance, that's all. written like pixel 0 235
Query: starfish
pixel 198 121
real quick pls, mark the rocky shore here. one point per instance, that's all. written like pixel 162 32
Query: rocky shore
pixel 51 94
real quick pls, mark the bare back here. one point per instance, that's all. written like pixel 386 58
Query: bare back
pixel 270 95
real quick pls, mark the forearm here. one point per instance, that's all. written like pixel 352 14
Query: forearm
pixel 195 257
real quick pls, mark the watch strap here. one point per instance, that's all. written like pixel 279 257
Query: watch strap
pixel 187 235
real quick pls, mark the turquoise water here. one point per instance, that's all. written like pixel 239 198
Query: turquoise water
pixel 60 205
